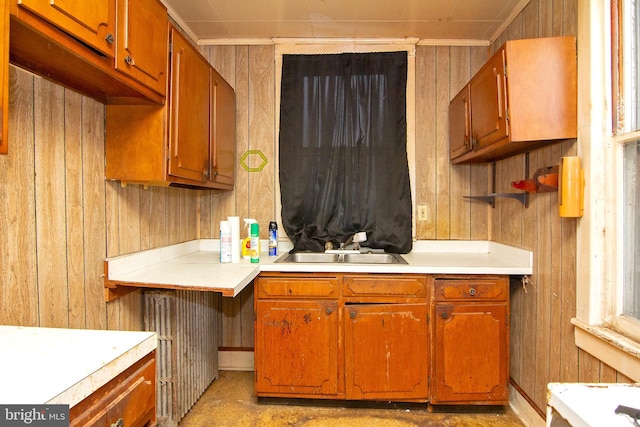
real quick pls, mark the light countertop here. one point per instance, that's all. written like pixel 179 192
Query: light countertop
pixel 195 265
pixel 586 405
pixel 64 366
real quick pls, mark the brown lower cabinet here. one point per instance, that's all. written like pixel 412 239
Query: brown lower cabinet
pixel 369 337
pixel 470 340
pixel 127 400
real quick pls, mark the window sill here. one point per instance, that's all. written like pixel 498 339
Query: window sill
pixel 617 351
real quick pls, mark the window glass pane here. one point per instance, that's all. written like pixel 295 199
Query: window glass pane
pixel 630 60
pixel 635 60
pixel 631 262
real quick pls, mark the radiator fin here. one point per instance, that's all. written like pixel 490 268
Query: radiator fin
pixel 186 323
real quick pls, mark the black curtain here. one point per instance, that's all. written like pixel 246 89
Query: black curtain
pixel 343 150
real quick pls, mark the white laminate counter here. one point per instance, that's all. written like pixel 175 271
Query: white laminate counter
pixel 64 366
pixel 591 405
pixel 195 265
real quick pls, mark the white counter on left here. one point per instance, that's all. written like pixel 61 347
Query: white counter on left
pixel 64 366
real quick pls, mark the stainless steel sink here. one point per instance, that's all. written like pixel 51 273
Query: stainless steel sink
pixel 374 258
pixel 310 257
pixel 351 258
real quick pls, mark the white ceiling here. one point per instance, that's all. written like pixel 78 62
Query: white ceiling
pixel 428 20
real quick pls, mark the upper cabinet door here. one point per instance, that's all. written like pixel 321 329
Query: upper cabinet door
pixel 143 48
pixel 92 22
pixel 460 124
pixel 188 112
pixel 223 130
pixel 489 102
pixel 4 76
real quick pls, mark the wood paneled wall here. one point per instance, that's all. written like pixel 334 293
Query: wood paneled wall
pixel 542 338
pixel 542 348
pixel 60 218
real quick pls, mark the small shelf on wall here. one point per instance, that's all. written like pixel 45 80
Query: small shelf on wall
pixel 491 197
pixel 544 180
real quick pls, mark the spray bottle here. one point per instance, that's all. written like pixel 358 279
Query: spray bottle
pixel 255 242
pixel 246 243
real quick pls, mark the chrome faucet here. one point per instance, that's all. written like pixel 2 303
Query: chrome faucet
pixel 360 236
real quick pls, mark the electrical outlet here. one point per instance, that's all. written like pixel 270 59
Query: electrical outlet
pixel 422 212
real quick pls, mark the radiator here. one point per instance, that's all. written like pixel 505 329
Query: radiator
pixel 186 323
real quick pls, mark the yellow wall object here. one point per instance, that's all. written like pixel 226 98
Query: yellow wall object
pixel 571 188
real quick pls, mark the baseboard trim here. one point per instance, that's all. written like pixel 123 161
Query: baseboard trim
pixel 235 360
pixel 523 409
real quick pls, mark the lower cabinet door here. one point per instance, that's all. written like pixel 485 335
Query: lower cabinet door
pixel 386 351
pixel 471 354
pixel 296 348
pixel 129 399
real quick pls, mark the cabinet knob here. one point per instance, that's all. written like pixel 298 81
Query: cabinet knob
pixel 352 315
pixel 472 291
pixel 329 310
pixel 129 60
pixel 445 315
pixel 119 423
pixel 109 38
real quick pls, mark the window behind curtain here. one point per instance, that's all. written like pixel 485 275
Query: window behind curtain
pixel 343 154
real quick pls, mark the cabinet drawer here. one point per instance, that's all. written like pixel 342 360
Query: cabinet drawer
pixel 309 287
pixel 494 289
pixel 131 396
pixel 388 285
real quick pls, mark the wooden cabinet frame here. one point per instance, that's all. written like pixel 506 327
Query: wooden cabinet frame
pixel 524 97
pixel 400 337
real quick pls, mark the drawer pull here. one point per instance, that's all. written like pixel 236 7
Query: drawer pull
pixel 352 315
pixel 445 315
pixel 329 310
pixel 472 292
pixel 119 423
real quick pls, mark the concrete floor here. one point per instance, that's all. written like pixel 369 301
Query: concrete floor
pixel 230 401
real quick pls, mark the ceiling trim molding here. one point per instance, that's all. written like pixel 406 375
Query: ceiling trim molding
pixel 516 11
pixel 235 41
pixel 453 42
pixel 341 41
pixel 181 23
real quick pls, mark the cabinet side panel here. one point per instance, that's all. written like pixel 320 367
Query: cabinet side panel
pixel 542 82
pixel 135 137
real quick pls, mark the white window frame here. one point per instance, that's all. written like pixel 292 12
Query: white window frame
pixel 599 262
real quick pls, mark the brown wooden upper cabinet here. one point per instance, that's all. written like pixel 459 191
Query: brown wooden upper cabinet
pixel 189 142
pixel 188 112
pixel 141 50
pixel 4 77
pixel 223 130
pixel 93 23
pixel 114 52
pixel 524 97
